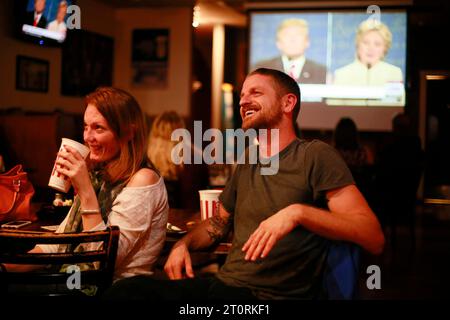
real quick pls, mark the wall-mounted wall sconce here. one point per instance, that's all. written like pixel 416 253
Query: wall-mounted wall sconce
pixel 196 16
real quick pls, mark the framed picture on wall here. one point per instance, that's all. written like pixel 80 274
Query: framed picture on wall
pixel 32 74
pixel 150 58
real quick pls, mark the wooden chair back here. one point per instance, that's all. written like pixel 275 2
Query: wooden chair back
pixel 14 247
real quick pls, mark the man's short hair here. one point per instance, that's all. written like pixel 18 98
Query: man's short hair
pixel 285 84
pixel 294 22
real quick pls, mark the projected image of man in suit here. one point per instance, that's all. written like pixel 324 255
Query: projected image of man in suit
pixel 36 18
pixel 292 41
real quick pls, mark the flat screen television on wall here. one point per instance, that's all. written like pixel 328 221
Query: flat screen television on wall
pixel 348 63
pixel 44 22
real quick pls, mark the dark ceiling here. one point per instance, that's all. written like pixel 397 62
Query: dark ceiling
pixel 237 4
pixel 164 3
pixel 432 12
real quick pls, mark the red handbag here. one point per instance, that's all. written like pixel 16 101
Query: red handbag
pixel 15 196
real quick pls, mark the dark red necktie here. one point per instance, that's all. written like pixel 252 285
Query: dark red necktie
pixel 291 71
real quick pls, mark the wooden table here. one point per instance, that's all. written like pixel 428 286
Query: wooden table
pixel 181 218
pixel 177 217
pixel 184 219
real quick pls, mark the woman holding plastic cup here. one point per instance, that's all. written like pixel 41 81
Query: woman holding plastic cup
pixel 117 184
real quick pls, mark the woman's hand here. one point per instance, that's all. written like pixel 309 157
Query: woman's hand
pixel 71 164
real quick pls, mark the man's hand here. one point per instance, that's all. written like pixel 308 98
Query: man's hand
pixel 270 231
pixel 203 236
pixel 179 259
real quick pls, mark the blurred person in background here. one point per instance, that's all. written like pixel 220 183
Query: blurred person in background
pixel 159 151
pixel 358 157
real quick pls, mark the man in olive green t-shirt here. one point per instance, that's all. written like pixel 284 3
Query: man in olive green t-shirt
pixel 282 222
pixel 293 268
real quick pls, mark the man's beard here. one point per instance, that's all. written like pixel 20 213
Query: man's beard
pixel 264 121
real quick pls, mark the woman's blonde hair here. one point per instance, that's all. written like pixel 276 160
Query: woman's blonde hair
pixel 127 121
pixel 160 144
pixel 375 25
